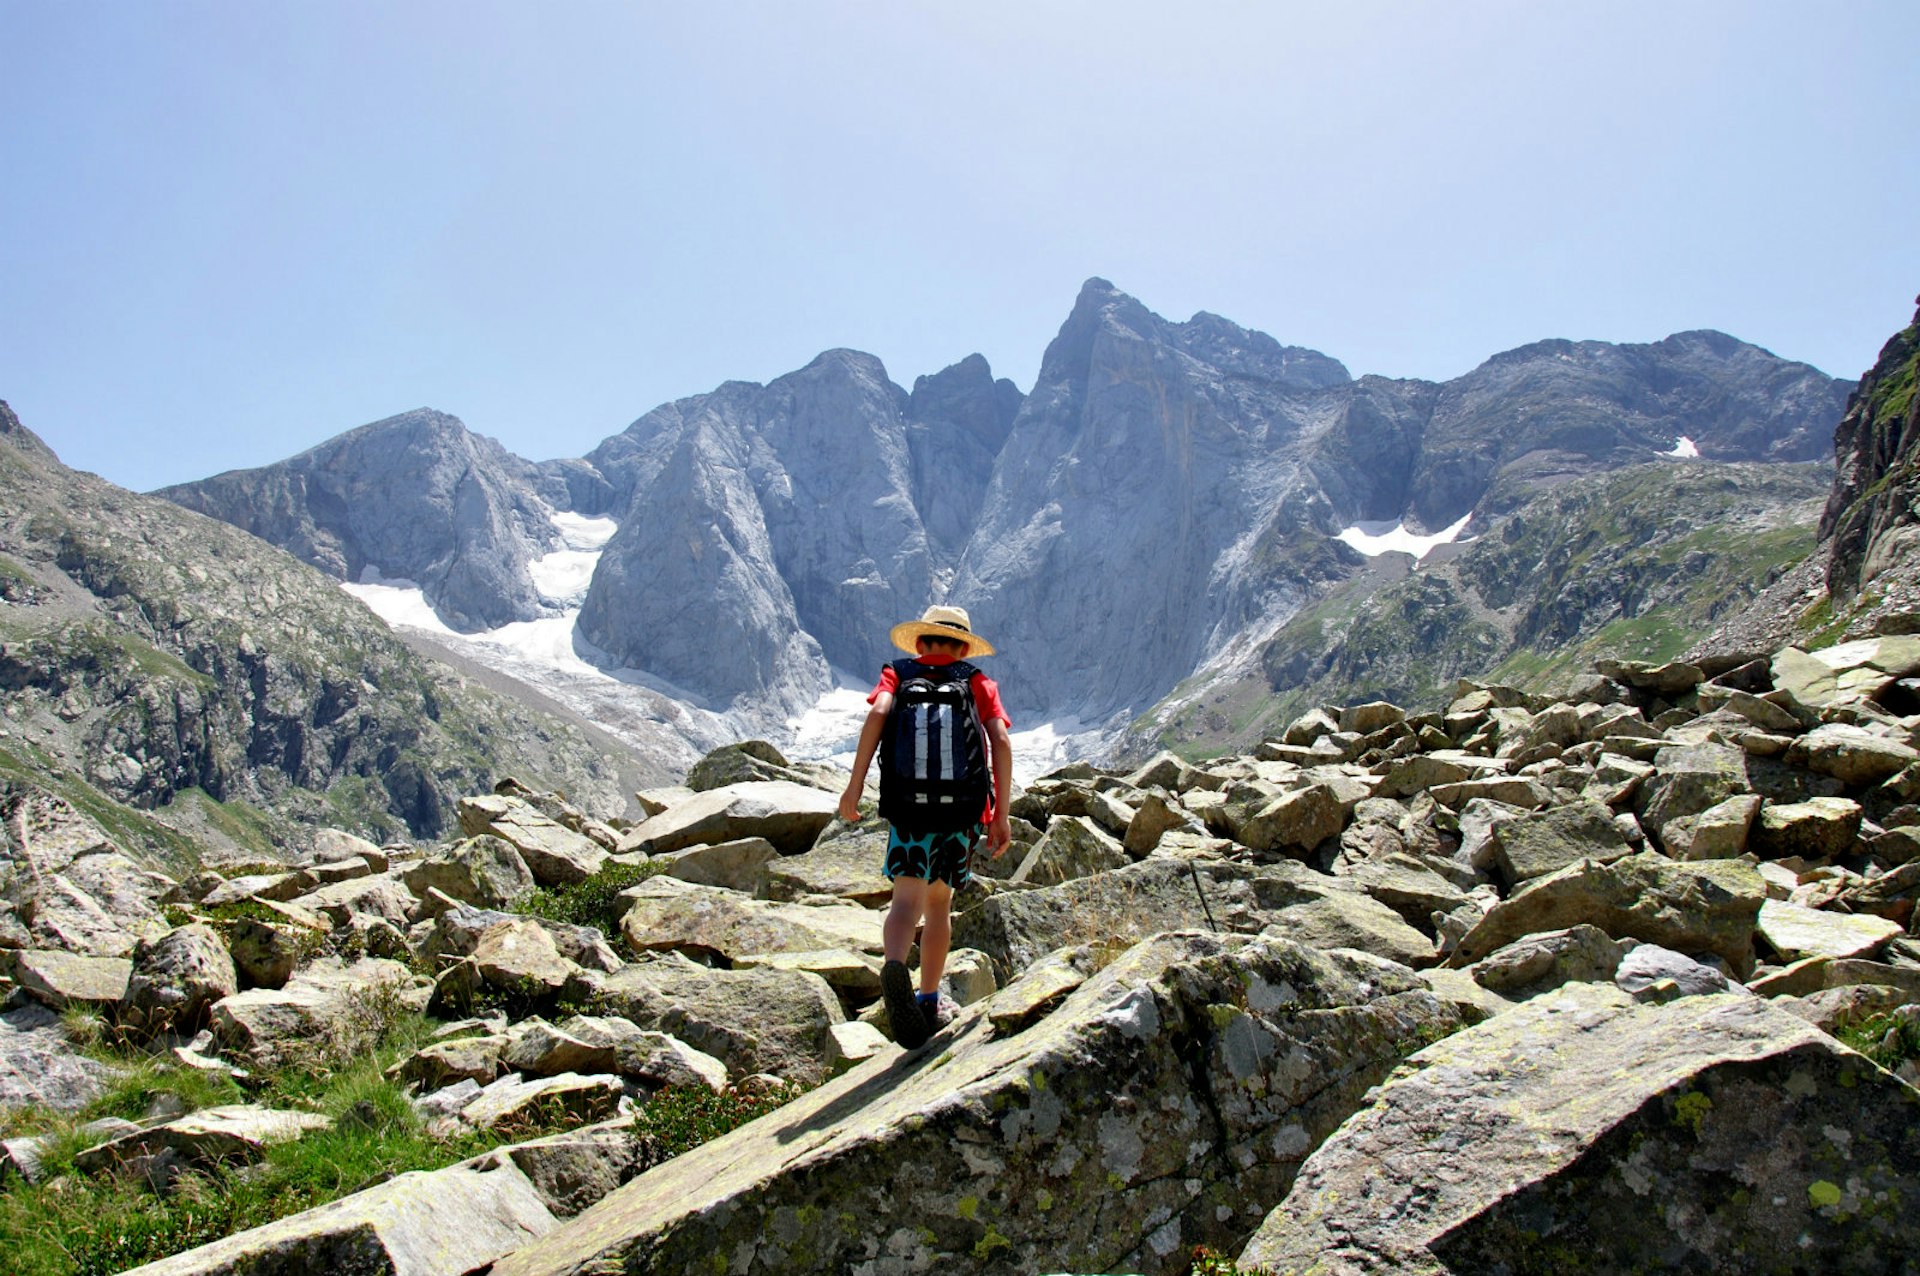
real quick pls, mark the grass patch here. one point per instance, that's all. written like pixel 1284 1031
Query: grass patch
pixel 594 902
pixel 1211 1262
pixel 681 1118
pixel 1886 1040
pixel 72 1224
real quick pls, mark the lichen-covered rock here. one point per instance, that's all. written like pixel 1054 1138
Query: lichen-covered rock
pixel 513 1099
pixel 1584 1133
pixel 381 897
pixel 554 853
pixel 752 1020
pixel 57 978
pixel 1794 931
pixel 1540 963
pixel 669 914
pixel 1717 833
pixel 1183 1082
pixel 1816 829
pixel 751 760
pixel 1294 822
pixel 483 871
pixel 235 1132
pixel 176 979
pixel 1531 846
pixel 1653 973
pixel 428 1223
pixel 271 940
pixel 738 866
pixel 326 1004
pixel 1709 906
pixel 1073 846
pixel 846 861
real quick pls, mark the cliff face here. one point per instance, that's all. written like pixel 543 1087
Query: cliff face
pixel 164 670
pixel 416 497
pixel 1875 506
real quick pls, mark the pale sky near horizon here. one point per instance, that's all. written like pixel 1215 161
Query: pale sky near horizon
pixel 232 230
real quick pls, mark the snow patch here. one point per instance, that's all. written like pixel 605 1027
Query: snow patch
pixel 830 730
pixel 396 600
pixel 563 576
pixel 1684 448
pixel 1374 539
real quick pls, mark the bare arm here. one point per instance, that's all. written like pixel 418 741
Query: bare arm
pixel 863 756
pixel 1000 832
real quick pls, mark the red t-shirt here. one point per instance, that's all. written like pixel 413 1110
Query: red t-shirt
pixel 986 702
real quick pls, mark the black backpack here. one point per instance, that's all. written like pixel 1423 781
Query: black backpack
pixel 933 766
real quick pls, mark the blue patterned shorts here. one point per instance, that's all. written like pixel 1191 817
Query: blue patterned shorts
pixel 935 857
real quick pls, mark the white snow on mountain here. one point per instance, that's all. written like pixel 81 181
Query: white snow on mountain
pixel 1683 448
pixel 1373 539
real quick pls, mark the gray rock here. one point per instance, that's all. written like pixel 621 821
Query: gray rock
pixel 1652 973
pixel 176 979
pixel 1531 846
pixel 39 1066
pixel 1717 833
pixel 1709 906
pixel 1473 1155
pixel 431 1223
pixel 69 885
pixel 483 871
pixel 325 1006
pixel 1542 962
pixel 757 760
pixel 238 1132
pixel 788 815
pixel 554 853
pixel 847 861
pixel 512 1099
pixel 752 1020
pixel 1795 932
pixel 61 979
pixel 380 898
pixel 1852 755
pixel 1294 822
pixel 1687 780
pixel 670 915
pixel 1065 1146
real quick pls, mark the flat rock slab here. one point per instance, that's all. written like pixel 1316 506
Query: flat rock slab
pixel 1583 1133
pixel 1795 931
pixel 1084 1143
pixel 671 914
pixel 846 862
pixel 62 979
pixel 513 1098
pixel 39 1066
pixel 232 1132
pixel 438 1223
pixel 789 815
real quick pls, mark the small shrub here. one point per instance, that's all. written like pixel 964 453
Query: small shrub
pixel 680 1118
pixel 594 902
pixel 1211 1262
pixel 1886 1039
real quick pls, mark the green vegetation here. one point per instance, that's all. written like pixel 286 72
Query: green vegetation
pixel 680 1118
pixel 1211 1262
pixel 75 1224
pixel 593 902
pixel 1893 396
pixel 1886 1040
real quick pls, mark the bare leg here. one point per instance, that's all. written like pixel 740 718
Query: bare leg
pixel 903 918
pixel 935 936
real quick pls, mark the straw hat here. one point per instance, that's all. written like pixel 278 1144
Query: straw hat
pixel 940 622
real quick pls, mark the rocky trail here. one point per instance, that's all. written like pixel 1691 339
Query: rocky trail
pixel 1524 985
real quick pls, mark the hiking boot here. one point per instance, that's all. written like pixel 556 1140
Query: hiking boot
pixel 910 1026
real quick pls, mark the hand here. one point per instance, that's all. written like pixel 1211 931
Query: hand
pixel 850 805
pixel 999 836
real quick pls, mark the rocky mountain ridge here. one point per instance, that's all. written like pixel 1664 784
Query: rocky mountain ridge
pixel 196 688
pixel 1172 487
pixel 1237 1004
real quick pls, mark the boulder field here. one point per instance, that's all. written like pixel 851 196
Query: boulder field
pixel 1526 985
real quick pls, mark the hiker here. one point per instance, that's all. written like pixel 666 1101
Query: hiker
pixel 946 768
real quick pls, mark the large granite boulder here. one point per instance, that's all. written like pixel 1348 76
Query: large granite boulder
pixel 328 1006
pixel 847 861
pixel 39 1066
pixel 1584 1133
pixel 751 760
pixel 1705 907
pixel 484 871
pixel 556 854
pixel 1073 846
pixel 1547 841
pixel 761 1020
pixel 176 979
pixel 669 914
pixel 789 815
pixel 57 978
pixel 65 885
pixel 1146 1115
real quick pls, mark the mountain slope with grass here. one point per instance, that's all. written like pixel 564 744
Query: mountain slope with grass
pixel 190 686
pixel 1639 563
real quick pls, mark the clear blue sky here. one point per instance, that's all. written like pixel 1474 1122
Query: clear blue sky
pixel 231 230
